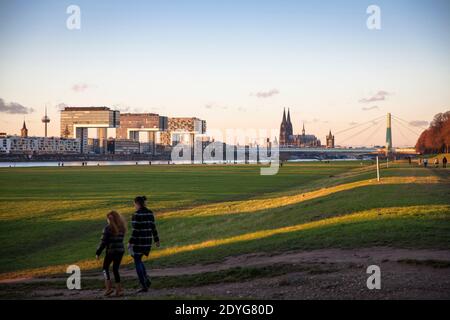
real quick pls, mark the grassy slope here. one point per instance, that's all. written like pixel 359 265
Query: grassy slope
pixel 220 210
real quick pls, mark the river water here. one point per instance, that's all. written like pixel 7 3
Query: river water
pixel 126 163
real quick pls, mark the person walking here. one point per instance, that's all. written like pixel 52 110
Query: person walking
pixel 444 162
pixel 425 163
pixel 140 243
pixel 112 240
pixel 436 162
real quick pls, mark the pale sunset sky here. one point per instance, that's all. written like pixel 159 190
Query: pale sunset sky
pixel 235 64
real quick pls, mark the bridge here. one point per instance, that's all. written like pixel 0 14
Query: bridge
pixel 366 130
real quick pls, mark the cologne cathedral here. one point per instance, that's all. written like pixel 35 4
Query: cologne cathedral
pixel 289 139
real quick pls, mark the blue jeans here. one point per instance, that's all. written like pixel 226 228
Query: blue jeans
pixel 140 270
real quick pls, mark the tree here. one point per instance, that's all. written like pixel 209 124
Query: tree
pixel 436 138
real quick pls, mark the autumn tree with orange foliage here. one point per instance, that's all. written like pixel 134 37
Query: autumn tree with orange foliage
pixel 436 139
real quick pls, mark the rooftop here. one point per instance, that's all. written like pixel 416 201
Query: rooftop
pixel 86 109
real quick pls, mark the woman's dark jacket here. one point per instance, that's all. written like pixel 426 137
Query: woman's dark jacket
pixel 112 243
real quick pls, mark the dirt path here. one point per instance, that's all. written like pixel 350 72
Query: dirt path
pixel 322 274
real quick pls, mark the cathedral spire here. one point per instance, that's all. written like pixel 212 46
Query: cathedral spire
pixel 289 128
pixel 303 131
pixel 283 129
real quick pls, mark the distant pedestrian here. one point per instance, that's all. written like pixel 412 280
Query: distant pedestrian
pixel 425 163
pixel 444 162
pixel 140 243
pixel 112 241
pixel 436 163
pixel 409 160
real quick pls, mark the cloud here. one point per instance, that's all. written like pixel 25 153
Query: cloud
pixel 61 106
pixel 81 87
pixel 122 108
pixel 379 96
pixel 266 94
pixel 215 106
pixel 370 108
pixel 14 108
pixel 419 123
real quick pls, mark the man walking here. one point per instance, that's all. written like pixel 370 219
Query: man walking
pixel 143 234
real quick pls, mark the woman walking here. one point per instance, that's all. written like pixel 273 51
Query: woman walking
pixel 112 240
pixel 144 231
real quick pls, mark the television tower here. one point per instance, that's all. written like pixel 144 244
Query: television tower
pixel 45 120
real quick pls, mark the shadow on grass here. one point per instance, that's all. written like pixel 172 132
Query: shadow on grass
pixel 44 243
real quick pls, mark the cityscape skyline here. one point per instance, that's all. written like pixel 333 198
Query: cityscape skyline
pixel 235 64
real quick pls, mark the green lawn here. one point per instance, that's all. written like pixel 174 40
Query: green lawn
pixel 54 216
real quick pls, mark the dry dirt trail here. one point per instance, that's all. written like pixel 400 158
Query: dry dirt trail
pixel 320 274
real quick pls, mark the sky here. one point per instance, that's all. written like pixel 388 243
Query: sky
pixel 235 64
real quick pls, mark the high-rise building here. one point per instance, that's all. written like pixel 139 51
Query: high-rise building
pixel 133 124
pixel 183 130
pixel 75 123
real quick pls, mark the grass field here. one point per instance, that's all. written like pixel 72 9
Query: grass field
pixel 53 217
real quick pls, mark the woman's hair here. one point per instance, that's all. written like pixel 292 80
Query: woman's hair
pixel 117 223
pixel 140 200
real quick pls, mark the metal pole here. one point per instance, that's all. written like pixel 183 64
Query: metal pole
pixel 387 162
pixel 378 169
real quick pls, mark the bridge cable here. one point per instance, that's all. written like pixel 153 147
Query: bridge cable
pixel 360 132
pixel 401 132
pixel 404 126
pixel 359 125
pixel 377 128
pixel 409 124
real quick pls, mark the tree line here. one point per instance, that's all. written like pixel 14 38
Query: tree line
pixel 436 139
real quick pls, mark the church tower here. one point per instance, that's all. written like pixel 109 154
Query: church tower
pixel 289 128
pixel 330 141
pixel 283 130
pixel 24 130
